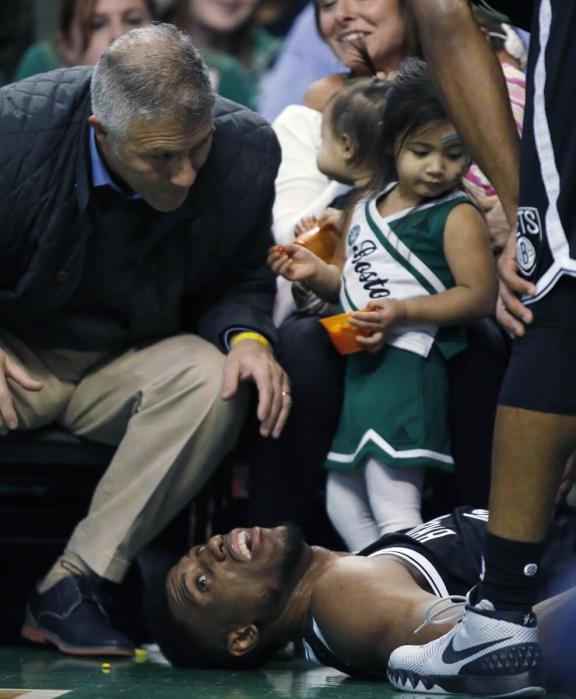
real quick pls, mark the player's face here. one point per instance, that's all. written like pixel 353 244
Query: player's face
pixel 430 162
pixel 378 25
pixel 240 578
pixel 109 20
pixel 159 160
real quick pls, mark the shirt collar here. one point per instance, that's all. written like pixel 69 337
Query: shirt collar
pixel 100 173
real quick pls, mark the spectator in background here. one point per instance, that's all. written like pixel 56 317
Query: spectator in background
pixel 304 58
pixel 238 52
pixel 85 30
pixel 278 15
pixel 16 34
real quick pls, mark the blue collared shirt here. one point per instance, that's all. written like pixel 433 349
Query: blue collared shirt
pixel 100 174
pixel 101 178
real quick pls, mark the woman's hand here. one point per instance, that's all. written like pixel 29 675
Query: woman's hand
pixel 294 262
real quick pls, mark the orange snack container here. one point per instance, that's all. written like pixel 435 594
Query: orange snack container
pixel 342 334
pixel 322 241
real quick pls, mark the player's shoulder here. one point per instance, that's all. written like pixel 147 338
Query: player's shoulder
pixel 354 605
pixel 352 582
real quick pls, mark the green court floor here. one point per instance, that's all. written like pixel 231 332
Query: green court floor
pixel 27 673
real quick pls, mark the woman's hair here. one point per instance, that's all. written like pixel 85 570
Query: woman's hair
pixel 412 104
pixel 357 110
pixel 241 40
pixel 502 36
pixel 83 10
pixel 411 41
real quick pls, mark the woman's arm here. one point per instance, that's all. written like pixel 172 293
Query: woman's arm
pixel 320 91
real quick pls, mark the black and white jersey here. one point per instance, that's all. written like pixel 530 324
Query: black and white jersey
pixel 447 551
pixel 546 232
pixel 546 223
pixel 519 13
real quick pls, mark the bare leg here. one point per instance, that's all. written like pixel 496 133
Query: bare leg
pixel 530 452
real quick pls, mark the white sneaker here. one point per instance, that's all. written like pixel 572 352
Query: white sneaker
pixel 488 653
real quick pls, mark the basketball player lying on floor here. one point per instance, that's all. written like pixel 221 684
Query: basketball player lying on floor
pixel 236 599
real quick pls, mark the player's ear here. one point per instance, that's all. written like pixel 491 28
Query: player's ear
pixel 243 639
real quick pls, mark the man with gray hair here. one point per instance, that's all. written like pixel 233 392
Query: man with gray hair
pixel 135 298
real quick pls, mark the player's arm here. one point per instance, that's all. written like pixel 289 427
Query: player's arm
pixel 474 92
pixel 366 612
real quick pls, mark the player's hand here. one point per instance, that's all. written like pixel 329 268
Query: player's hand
pixel 498 226
pixel 11 369
pixel 294 262
pixel 249 360
pixel 511 313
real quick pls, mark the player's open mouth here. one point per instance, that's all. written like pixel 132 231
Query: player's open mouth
pixel 242 543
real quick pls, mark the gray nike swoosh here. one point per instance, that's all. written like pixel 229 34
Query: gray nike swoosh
pixel 451 656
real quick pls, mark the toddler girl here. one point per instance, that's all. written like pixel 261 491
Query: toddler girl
pixel 415 253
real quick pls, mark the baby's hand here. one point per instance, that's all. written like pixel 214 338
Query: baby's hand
pixel 293 262
pixel 304 225
pixel 382 314
pixel 331 217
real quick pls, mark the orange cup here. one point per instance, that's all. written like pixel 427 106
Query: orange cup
pixel 342 334
pixel 322 241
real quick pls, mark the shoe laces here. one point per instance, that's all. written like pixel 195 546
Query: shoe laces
pixel 446 609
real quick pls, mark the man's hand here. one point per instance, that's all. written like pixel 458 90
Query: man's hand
pixel 250 360
pixel 11 369
pixel 511 313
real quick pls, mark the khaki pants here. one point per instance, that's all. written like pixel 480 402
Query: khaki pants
pixel 161 405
